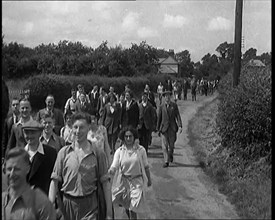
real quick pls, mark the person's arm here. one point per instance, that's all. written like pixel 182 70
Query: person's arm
pixel 146 166
pixel 108 198
pixel 107 148
pixel 53 190
pixel 178 119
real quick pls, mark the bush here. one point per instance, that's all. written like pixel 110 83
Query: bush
pixel 60 86
pixel 244 113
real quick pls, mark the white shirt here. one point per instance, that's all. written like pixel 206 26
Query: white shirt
pixel 31 153
pixel 128 104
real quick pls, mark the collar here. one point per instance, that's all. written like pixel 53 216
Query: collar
pixel 49 110
pixel 20 121
pixel 25 196
pixel 40 148
pixel 43 136
pixel 72 147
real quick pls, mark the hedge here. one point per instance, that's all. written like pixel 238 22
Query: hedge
pixel 60 86
pixel 244 113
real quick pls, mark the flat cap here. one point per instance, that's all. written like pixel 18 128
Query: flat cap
pixel 32 125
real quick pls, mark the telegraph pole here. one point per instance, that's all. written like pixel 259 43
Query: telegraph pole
pixel 237 42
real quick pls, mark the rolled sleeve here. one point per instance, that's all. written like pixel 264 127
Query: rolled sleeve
pixel 58 166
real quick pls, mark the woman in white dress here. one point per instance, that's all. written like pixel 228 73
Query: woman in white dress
pixel 131 167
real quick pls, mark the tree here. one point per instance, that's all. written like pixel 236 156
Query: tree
pixel 185 64
pixel 251 53
pixel 226 51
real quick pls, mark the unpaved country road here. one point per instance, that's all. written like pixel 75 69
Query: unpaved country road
pixel 182 191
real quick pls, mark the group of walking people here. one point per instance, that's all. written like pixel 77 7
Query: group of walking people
pixel 78 164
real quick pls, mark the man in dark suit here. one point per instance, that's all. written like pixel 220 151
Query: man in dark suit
pixel 111 120
pixel 42 156
pixel 147 119
pixel 13 119
pixel 130 111
pixel 94 95
pixel 151 96
pixel 16 138
pixel 102 101
pixel 55 113
pixel 168 124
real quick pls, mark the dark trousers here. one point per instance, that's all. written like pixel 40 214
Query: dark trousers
pixel 144 137
pixel 112 138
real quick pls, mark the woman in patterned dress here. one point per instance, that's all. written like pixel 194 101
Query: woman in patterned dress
pixel 131 167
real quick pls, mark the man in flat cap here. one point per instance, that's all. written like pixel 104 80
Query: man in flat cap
pixel 42 156
pixel 168 124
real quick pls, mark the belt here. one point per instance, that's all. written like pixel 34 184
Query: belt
pixel 131 176
pixel 78 197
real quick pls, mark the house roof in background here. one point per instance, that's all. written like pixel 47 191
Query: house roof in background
pixel 168 60
pixel 256 63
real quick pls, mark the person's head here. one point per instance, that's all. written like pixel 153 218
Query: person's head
pixel 32 132
pixel 81 123
pixel 68 117
pixel 17 167
pixel 80 88
pixel 94 121
pixel 102 90
pixel 111 98
pixel 25 108
pixel 15 106
pixel 50 102
pixel 128 95
pixel 95 88
pixel 73 92
pixel 167 96
pixel 144 97
pixel 128 134
pixel 147 88
pixel 48 123
pixel 112 89
pixel 122 97
pixel 82 97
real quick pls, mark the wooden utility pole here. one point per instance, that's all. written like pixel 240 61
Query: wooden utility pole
pixel 237 42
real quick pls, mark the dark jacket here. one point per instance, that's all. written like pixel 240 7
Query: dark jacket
pixel 168 118
pixel 111 120
pixel 41 168
pixel 147 116
pixel 6 134
pixel 94 102
pixel 16 138
pixel 130 116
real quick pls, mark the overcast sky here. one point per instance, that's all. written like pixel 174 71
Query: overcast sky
pixel 195 25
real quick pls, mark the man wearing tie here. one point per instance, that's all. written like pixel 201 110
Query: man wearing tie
pixel 168 124
pixel 13 119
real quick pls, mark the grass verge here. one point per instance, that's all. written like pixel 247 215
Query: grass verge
pixel 246 184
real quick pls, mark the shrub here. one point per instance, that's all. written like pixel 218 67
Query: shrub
pixel 244 113
pixel 60 86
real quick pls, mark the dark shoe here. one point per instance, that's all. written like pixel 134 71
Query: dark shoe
pixel 165 165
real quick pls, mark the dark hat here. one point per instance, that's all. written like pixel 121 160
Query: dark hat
pixel 167 92
pixel 32 125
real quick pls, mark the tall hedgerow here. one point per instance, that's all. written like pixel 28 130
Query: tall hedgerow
pixel 244 114
pixel 60 86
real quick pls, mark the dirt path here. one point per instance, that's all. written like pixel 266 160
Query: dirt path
pixel 182 191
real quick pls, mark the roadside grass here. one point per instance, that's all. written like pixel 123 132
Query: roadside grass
pixel 248 187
